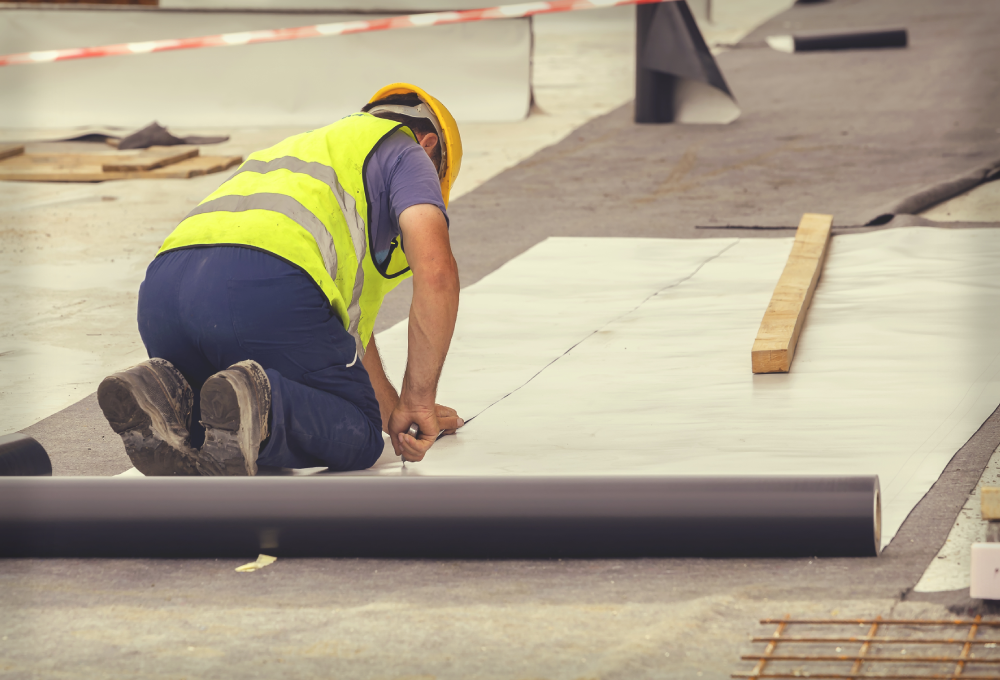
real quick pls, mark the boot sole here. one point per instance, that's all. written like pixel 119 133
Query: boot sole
pixel 139 415
pixel 229 443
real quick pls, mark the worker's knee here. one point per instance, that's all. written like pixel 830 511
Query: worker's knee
pixel 374 450
pixel 365 453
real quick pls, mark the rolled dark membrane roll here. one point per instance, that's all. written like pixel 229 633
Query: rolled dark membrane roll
pixel 670 55
pixel 412 516
pixel 841 40
pixel 22 456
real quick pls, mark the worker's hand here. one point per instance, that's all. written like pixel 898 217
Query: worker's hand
pixel 412 448
pixel 448 418
pixel 431 423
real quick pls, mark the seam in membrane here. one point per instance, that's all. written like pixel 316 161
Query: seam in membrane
pixel 649 297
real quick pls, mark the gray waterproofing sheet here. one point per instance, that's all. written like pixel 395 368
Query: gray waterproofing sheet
pixel 588 618
pixel 847 133
pixel 155 134
pixel 307 82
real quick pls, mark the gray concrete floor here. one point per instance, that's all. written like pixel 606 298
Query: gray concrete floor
pixel 677 618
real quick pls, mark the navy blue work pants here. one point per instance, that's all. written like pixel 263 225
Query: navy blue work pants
pixel 204 309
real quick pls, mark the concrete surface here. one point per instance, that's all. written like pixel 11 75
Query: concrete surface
pixel 551 619
pixel 981 204
pixel 950 568
pixel 399 619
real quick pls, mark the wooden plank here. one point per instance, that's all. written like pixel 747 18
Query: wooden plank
pixel 990 503
pixel 149 159
pixel 202 165
pixel 67 160
pixel 56 167
pixel 89 168
pixel 779 330
pixel 9 150
pixel 51 167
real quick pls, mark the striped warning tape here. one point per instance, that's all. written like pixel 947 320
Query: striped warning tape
pixel 318 30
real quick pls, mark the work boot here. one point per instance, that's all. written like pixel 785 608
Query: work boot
pixel 235 404
pixel 149 406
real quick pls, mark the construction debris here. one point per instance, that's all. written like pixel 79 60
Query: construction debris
pixel 261 562
pixel 877 648
pixel 155 134
pixel 153 163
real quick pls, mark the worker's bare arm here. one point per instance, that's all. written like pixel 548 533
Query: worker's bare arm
pixel 384 391
pixel 388 397
pixel 432 322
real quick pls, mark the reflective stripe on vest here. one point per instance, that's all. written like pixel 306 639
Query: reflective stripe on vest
pixel 279 200
pixel 287 206
pixel 348 206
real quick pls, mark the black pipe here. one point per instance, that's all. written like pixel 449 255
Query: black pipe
pixel 412 516
pixel 22 456
pixel 850 40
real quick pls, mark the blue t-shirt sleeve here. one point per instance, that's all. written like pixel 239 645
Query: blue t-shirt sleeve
pixel 413 180
pixel 399 175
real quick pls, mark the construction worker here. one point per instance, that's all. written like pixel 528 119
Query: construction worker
pixel 264 300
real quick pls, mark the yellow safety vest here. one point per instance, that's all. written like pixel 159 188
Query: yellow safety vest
pixel 305 200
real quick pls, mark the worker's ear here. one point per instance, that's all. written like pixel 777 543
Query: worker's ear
pixel 428 142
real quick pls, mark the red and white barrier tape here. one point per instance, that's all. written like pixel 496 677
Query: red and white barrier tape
pixel 318 30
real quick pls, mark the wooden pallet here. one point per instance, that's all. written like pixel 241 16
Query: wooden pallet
pixel 170 162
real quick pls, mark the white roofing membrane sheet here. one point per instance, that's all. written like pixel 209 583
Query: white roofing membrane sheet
pixel 480 71
pixel 632 356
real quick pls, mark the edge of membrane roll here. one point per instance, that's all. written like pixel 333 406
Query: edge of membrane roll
pixel 497 517
pixel 23 456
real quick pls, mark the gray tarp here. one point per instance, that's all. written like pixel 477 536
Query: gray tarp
pixel 847 133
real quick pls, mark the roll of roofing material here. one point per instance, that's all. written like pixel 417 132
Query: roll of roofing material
pixel 843 40
pixel 413 516
pixel 22 456
pixel 677 79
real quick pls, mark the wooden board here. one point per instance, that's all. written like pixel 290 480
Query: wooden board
pixel 149 159
pixel 779 330
pixel 201 165
pixel 55 167
pixel 990 503
pixel 89 168
pixel 8 150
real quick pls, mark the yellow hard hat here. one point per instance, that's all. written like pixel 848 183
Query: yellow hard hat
pixel 451 142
